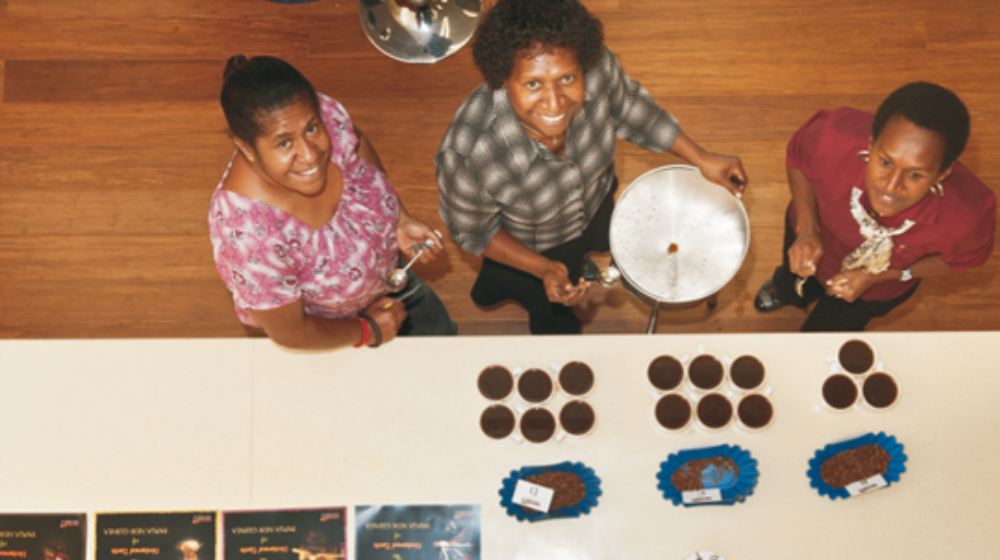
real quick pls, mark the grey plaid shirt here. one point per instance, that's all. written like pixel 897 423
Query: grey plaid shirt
pixel 492 175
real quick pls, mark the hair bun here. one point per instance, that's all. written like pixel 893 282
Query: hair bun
pixel 234 63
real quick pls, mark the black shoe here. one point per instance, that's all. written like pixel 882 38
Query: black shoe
pixel 767 298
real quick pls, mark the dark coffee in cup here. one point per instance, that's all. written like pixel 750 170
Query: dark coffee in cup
pixel 715 411
pixel 497 421
pixel 755 411
pixel 705 372
pixel 673 411
pixel 840 391
pixel 535 385
pixel 856 356
pixel 496 383
pixel 576 378
pixel 577 418
pixel 538 425
pixel 747 372
pixel 880 390
pixel 666 373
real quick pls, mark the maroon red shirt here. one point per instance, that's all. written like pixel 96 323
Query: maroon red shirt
pixel 958 226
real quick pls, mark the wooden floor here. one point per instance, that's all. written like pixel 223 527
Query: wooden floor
pixel 111 142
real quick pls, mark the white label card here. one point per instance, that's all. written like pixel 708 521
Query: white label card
pixel 702 496
pixel 867 485
pixel 532 496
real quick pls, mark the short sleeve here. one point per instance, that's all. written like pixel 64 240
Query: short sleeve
pixel 975 247
pixel 472 216
pixel 640 120
pixel 340 127
pixel 804 143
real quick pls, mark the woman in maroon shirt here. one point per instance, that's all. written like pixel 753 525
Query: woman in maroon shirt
pixel 877 203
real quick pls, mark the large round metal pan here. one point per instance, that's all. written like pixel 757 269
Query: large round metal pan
pixel 676 237
pixel 419 31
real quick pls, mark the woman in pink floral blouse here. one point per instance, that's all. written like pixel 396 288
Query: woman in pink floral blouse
pixel 305 246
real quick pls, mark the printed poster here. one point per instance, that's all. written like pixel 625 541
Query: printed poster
pixel 43 536
pixel 156 536
pixel 305 534
pixel 417 532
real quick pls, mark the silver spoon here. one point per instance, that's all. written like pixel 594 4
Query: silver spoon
pixel 396 278
pixel 608 277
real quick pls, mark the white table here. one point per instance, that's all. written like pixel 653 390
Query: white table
pixel 156 425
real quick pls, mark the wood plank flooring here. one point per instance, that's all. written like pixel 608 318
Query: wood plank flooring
pixel 111 142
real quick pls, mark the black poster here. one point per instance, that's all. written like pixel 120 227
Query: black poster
pixel 156 536
pixel 43 536
pixel 417 532
pixel 302 534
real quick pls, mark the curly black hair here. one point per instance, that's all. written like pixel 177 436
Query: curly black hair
pixel 931 107
pixel 512 27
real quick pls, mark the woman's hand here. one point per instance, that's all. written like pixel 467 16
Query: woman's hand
pixel 411 233
pixel 850 284
pixel 724 170
pixel 558 288
pixel 805 253
pixel 389 314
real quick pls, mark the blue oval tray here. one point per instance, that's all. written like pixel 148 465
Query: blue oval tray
pixel 734 489
pixel 897 461
pixel 589 501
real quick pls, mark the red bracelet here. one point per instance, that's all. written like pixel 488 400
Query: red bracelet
pixel 364 330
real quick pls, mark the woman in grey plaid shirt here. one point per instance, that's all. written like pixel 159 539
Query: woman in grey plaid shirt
pixel 526 169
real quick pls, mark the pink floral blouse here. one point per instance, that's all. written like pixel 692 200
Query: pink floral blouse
pixel 268 258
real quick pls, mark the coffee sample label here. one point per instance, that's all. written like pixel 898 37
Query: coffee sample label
pixel 703 496
pixel 43 536
pixel 532 496
pixel 871 484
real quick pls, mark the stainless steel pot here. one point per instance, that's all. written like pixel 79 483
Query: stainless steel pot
pixel 676 239
pixel 419 31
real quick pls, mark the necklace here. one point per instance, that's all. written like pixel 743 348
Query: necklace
pixel 555 140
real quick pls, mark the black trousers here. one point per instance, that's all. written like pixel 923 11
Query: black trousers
pixel 498 282
pixel 426 315
pixel 831 314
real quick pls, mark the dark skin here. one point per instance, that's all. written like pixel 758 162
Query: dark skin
pixel 546 89
pixel 904 163
pixel 288 166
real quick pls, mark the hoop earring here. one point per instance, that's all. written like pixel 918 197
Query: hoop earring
pixel 938 190
pixel 863 155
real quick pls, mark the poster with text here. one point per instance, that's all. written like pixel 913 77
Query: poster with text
pixel 187 535
pixel 417 532
pixel 300 534
pixel 43 536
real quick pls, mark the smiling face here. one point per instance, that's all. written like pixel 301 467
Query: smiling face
pixel 293 150
pixel 904 163
pixel 546 89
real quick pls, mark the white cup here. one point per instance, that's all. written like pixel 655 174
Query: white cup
pixel 879 391
pixel 856 356
pixel 744 372
pixel 668 413
pixel 573 419
pixel 710 412
pixel 706 373
pixel 494 421
pixel 531 384
pixel 755 411
pixel 538 425
pixel 836 392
